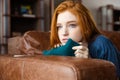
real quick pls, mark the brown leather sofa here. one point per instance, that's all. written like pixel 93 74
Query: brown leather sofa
pixel 39 67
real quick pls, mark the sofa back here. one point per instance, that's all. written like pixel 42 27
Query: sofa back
pixel 32 37
pixel 44 39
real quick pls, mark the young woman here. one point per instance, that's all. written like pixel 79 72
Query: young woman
pixel 74 33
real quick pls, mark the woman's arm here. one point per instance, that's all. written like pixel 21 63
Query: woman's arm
pixel 103 48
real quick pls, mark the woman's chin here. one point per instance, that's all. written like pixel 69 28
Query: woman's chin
pixel 63 43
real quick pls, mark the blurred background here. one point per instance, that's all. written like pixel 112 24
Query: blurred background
pixel 19 16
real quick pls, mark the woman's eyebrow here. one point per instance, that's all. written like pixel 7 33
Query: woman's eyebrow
pixel 71 22
pixel 67 22
pixel 58 24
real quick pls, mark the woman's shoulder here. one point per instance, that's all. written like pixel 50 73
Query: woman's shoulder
pixel 101 38
pixel 100 46
pixel 100 41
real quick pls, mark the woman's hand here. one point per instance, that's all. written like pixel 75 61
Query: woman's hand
pixel 81 51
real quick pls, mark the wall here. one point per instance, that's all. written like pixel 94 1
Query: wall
pixel 93 5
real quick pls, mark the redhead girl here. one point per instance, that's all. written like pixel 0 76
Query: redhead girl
pixel 74 33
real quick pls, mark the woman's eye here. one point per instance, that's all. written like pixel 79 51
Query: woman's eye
pixel 72 25
pixel 59 27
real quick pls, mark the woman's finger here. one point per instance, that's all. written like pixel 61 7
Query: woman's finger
pixel 81 52
pixel 81 55
pixel 80 47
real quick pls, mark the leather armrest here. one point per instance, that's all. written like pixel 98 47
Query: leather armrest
pixel 41 67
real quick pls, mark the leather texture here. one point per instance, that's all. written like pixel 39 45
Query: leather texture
pixel 36 40
pixel 41 67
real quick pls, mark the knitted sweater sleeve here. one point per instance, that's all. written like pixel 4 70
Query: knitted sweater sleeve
pixel 103 48
pixel 65 50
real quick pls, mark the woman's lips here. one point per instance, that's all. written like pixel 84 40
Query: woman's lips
pixel 64 40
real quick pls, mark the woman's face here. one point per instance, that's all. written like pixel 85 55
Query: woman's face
pixel 68 28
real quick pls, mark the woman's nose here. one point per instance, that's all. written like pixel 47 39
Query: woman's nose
pixel 65 32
